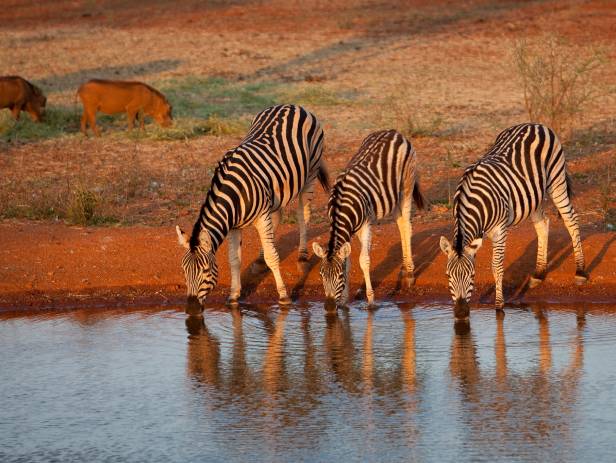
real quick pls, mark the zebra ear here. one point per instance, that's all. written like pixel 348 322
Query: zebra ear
pixel 445 246
pixel 472 248
pixel 318 250
pixel 182 237
pixel 344 251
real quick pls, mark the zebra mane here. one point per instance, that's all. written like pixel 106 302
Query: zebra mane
pixel 459 229
pixel 218 171
pixel 334 196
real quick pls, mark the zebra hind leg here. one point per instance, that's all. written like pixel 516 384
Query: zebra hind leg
pixel 407 270
pixel 542 226
pixel 560 196
pixel 303 214
pixel 265 228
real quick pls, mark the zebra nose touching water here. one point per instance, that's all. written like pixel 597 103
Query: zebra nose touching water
pixel 506 186
pixel 278 161
pixel 379 181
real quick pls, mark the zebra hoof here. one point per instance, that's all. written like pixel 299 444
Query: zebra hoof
pixel 535 281
pixel 285 301
pixel 233 302
pixel 499 306
pixel 303 258
pixel 407 282
pixel 581 278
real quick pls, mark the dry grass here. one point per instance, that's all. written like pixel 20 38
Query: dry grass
pixel 558 80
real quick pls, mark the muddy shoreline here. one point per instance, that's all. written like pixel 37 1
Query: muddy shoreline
pixel 54 266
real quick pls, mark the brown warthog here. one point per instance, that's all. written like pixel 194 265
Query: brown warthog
pixel 113 96
pixel 17 94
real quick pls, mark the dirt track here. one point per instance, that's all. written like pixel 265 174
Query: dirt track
pixel 59 266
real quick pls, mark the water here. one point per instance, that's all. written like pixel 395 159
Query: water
pixel 399 384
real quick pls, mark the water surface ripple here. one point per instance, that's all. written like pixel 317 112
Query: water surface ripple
pixel 401 383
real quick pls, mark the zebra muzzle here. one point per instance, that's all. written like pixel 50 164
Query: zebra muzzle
pixel 330 304
pixel 193 306
pixel 461 309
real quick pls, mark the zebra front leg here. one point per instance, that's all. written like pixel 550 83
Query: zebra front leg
pixel 265 228
pixel 542 226
pixel 499 238
pixel 303 218
pixel 235 261
pixel 260 263
pixel 364 261
pixel 347 271
pixel 404 226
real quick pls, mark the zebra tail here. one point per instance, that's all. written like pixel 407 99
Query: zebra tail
pixel 418 196
pixel 323 177
pixel 569 185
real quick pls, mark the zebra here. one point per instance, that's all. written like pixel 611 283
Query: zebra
pixel 503 188
pixel 379 181
pixel 277 161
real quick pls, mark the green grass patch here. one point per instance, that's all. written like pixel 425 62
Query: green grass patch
pixel 58 121
pixel 201 106
pixel 196 97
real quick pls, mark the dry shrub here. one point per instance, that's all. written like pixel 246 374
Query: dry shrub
pixel 403 115
pixel 557 80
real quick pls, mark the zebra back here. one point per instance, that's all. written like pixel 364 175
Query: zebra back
pixel 508 183
pixel 371 185
pixel 280 154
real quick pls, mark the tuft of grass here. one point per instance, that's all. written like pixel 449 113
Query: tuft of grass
pixel 557 80
pixel 186 128
pixel 82 206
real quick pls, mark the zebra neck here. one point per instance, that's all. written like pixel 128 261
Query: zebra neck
pixel 334 245
pixel 464 235
pixel 342 230
pixel 213 225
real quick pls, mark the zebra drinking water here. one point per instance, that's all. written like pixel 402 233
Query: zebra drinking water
pixel 278 160
pixel 379 181
pixel 507 185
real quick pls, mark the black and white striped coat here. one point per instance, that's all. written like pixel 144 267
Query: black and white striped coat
pixel 278 161
pixel 379 181
pixel 506 186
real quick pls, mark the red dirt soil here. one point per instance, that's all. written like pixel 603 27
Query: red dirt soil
pixel 55 266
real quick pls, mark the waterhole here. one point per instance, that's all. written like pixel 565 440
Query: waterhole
pixel 258 383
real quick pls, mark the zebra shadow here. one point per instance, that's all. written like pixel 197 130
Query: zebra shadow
pixel 424 246
pixel 256 272
pixel 304 268
pixel 518 273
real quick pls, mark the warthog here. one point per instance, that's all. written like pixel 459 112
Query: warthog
pixel 17 94
pixel 112 96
